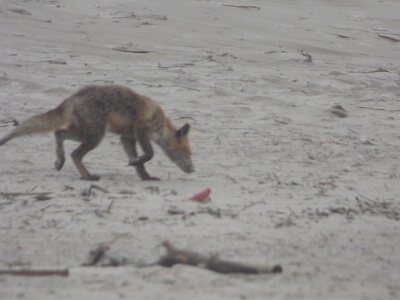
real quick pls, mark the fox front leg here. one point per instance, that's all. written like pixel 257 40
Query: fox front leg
pixel 143 173
pixel 147 155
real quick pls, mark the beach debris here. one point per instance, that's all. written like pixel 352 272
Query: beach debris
pixel 38 196
pixel 361 206
pixel 98 254
pixel 213 211
pixel 308 56
pixel 338 110
pixel 310 154
pixel 210 262
pixel 20 11
pixel 287 221
pixel 43 197
pixel 125 49
pixel 9 121
pixel 201 196
pixel 365 141
pixel 37 272
pixel 391 37
pixel 88 192
pixel 247 7
pixel 56 61
pixel 175 256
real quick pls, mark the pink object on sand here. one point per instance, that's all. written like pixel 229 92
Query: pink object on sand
pixel 202 195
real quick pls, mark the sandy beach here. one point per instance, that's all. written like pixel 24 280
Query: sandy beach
pixel 294 109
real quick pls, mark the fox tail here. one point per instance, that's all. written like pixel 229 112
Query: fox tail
pixel 46 122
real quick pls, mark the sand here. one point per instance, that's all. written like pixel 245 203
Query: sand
pixel 292 183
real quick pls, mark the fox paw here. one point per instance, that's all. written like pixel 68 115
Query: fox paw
pixel 151 178
pixel 91 178
pixel 58 164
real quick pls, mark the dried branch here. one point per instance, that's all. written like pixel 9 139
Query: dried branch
pixel 242 6
pixel 377 108
pixel 24 194
pixel 213 263
pixel 124 49
pixel 88 192
pixel 30 272
pixel 389 37
pixel 308 56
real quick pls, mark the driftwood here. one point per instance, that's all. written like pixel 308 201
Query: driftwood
pixel 242 6
pixel 179 256
pixel 29 272
pixel 38 194
pixel 213 262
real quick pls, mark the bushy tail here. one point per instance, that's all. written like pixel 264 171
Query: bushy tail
pixel 48 121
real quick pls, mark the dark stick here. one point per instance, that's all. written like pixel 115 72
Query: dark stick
pixel 25 272
pixel 213 263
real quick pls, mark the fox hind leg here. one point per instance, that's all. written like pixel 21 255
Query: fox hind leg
pixel 129 144
pixel 91 137
pixel 78 154
pixel 71 133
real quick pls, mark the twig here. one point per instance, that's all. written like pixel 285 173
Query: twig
pixel 366 198
pixel 396 40
pixel 242 6
pixel 278 181
pixel 308 56
pixel 215 212
pixel 30 272
pixel 252 204
pixel 57 62
pixel 124 49
pixel 223 266
pixel 110 206
pixel 38 194
pixel 88 192
pixel 176 66
pixel 379 70
pixel 288 221
pixel 378 108
pixel 352 130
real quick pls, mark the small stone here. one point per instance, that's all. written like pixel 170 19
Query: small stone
pixel 365 141
pixel 338 110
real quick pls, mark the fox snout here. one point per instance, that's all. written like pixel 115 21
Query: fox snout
pixel 184 162
pixel 188 168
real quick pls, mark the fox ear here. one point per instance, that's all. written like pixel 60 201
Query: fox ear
pixel 183 131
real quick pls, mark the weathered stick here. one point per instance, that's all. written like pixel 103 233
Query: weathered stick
pixel 242 6
pixel 26 272
pixel 180 256
pixel 213 263
pixel 25 194
pixel 224 266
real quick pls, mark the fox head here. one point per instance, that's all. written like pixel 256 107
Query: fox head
pixel 178 149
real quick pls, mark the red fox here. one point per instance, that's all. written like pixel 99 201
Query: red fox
pixel 86 115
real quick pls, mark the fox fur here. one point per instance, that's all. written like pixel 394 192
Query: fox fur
pixel 86 116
